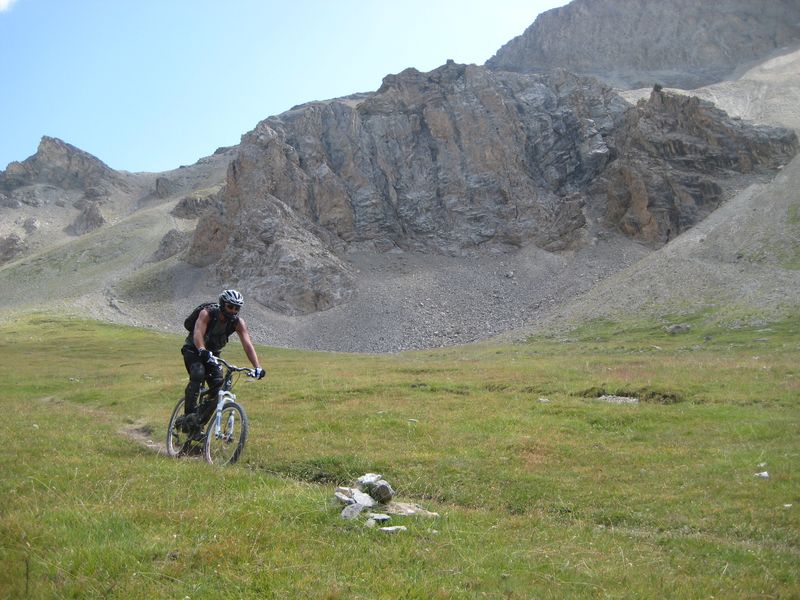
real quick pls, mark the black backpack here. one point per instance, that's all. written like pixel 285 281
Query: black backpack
pixel 213 309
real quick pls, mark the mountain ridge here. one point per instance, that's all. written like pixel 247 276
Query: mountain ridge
pixel 395 298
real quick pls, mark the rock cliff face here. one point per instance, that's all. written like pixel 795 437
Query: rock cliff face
pixel 449 161
pixel 465 159
pixel 637 43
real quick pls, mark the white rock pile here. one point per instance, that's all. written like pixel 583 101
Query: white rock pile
pixel 371 491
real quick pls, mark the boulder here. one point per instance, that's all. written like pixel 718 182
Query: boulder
pixel 31 225
pixel 11 246
pixel 165 187
pixel 88 220
pixel 173 242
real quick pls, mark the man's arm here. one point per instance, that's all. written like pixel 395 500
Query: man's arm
pixel 200 327
pixel 247 343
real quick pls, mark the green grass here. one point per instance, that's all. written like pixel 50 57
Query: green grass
pixel 543 490
pixel 794 214
pixel 86 261
pixel 788 253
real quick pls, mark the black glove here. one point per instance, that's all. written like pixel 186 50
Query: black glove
pixel 259 373
pixel 206 356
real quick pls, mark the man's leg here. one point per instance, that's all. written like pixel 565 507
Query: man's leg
pixel 197 373
pixel 213 376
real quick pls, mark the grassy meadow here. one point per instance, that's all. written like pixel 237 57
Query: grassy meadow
pixel 543 490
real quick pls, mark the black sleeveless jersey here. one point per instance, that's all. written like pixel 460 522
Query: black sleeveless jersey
pixel 217 332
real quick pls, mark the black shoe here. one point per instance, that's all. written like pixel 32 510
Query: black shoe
pixel 188 423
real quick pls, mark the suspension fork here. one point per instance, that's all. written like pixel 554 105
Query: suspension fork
pixel 222 398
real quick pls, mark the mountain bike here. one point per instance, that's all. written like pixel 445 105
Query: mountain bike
pixel 225 433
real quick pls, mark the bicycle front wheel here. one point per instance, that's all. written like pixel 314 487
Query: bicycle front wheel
pixel 225 438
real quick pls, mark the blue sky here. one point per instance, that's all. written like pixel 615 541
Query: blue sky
pixel 150 85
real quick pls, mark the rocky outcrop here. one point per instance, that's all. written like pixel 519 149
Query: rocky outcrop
pixel 275 256
pixel 194 205
pixel 637 43
pixel 465 159
pixel 36 195
pixel 673 157
pixel 449 161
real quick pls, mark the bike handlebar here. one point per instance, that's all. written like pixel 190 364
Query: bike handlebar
pixel 233 368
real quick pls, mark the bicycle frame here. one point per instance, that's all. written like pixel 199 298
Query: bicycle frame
pixel 225 395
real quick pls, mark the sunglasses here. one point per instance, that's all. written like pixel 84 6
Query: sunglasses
pixel 232 307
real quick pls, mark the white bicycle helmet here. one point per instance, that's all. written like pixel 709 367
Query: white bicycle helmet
pixel 231 297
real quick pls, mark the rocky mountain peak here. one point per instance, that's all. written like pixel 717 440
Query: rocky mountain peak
pixel 637 43
pixel 59 164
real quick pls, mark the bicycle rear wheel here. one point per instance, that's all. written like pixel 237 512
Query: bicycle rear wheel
pixel 224 447
pixel 178 441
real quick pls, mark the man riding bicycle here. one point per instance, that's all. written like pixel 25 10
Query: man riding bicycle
pixel 214 325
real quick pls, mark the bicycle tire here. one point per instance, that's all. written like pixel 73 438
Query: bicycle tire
pixel 226 448
pixel 178 443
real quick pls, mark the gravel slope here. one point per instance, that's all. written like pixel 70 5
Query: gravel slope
pixel 742 264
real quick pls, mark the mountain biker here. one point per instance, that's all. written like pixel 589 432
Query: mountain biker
pixel 214 325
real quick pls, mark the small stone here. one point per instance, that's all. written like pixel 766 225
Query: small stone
pixel 618 399
pixel 676 329
pixel 382 492
pixel 394 529
pixel 363 499
pixel 344 498
pixel 380 517
pixel 407 509
pixel 352 511
pixel 369 479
